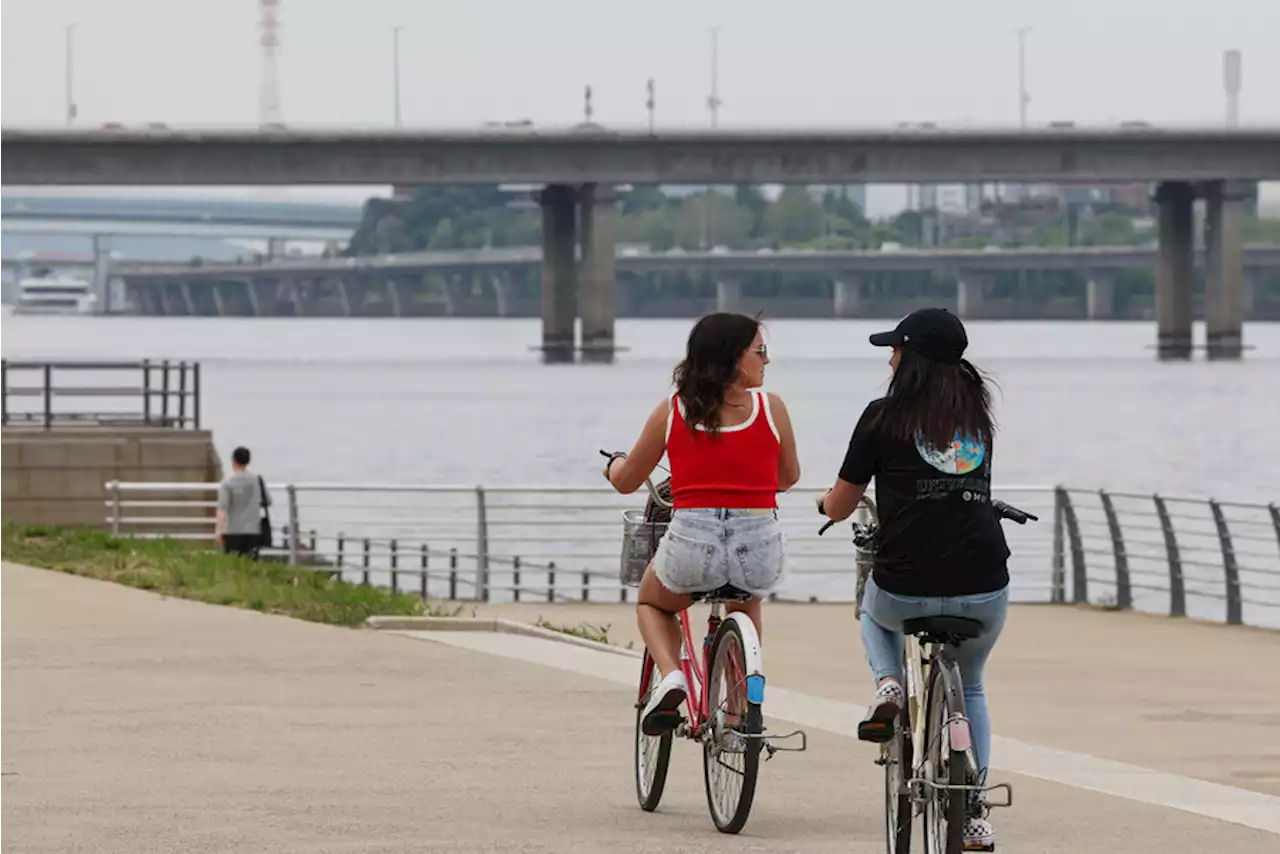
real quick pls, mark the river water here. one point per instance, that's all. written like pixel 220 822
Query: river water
pixel 466 401
pixel 459 401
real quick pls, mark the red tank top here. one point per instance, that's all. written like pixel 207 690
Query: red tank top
pixel 736 469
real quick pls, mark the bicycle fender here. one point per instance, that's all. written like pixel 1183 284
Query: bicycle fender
pixel 753 660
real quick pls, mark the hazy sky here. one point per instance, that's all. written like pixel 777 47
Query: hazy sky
pixel 794 63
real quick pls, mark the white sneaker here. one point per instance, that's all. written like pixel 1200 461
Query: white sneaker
pixel 978 835
pixel 662 713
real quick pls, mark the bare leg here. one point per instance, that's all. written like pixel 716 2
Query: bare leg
pixel 656 612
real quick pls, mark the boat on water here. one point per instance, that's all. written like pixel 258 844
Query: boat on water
pixel 54 294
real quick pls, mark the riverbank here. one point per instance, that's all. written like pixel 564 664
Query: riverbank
pixel 193 570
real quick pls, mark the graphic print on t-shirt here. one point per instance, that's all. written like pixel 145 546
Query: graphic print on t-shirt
pixel 962 456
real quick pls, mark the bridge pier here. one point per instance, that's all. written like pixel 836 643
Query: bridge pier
pixel 1173 272
pixel 219 301
pixel 343 297
pixel 969 294
pixel 187 299
pixel 252 291
pixel 102 273
pixel 393 296
pixel 276 248
pixel 1100 295
pixel 1224 271
pixel 728 295
pixel 559 273
pixel 846 293
pixel 598 205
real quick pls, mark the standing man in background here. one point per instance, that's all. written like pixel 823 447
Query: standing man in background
pixel 241 499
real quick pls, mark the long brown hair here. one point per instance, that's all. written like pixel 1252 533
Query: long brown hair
pixel 935 401
pixel 710 365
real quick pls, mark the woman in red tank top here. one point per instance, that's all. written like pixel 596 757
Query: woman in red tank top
pixel 731 449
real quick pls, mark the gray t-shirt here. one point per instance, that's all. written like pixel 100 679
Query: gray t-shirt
pixel 241 497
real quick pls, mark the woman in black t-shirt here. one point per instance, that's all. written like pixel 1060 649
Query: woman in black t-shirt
pixel 928 444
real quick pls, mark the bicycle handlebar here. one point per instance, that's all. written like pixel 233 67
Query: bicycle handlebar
pixel 864 535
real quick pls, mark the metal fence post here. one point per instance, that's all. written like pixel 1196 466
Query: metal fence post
pixel 1177 586
pixel 482 545
pixel 146 392
pixel 182 395
pixel 1058 581
pixel 1124 592
pixel 515 578
pixel 1275 519
pixel 195 395
pixel 292 492
pixel 48 395
pixel 1235 612
pixel 1079 580
pixel 164 394
pixel 4 391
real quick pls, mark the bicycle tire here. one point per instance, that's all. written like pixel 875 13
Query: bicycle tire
pixel 652 753
pixel 944 811
pixel 751 719
pixel 897 799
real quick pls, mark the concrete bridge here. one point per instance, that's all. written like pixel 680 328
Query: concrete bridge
pixel 496 282
pixel 204 727
pixel 581 167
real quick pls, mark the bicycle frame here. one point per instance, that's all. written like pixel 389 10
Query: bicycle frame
pixel 695 668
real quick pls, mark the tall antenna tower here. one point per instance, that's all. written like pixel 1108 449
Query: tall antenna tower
pixel 269 39
pixel 1231 83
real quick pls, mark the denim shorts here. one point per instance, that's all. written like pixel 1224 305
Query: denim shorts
pixel 707 548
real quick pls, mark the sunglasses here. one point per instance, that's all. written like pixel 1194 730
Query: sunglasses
pixel 762 350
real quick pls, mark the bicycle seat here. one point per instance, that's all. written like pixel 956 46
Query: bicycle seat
pixel 727 593
pixel 942 629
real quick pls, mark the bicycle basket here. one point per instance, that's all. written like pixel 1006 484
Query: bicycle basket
pixel 639 541
pixel 641 531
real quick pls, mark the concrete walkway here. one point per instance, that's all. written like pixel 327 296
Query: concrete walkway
pixel 138 724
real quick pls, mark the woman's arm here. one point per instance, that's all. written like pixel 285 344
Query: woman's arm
pixel 861 463
pixel 788 459
pixel 841 500
pixel 627 474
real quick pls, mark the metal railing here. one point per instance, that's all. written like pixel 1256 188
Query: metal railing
pixel 1183 556
pixel 147 393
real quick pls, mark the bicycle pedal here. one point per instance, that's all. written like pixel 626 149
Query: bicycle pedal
pixel 876 732
pixel 982 847
pixel 661 723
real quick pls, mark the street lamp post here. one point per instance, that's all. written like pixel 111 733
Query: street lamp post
pixel 395 68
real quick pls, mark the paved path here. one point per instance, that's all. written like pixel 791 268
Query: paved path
pixel 1176 695
pixel 139 724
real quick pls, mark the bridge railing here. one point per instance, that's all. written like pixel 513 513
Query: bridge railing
pixel 554 543
pixel 120 394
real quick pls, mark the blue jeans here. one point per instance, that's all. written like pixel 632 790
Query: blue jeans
pixel 883 615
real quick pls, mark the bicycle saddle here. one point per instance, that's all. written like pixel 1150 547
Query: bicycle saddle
pixel 942 629
pixel 727 593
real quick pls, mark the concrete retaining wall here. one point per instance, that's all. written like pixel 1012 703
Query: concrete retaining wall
pixel 57 476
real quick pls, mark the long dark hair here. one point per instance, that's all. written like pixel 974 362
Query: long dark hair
pixel 716 343
pixel 934 401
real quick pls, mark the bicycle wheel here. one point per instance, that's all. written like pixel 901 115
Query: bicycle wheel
pixel 730 756
pixel 944 811
pixel 652 753
pixel 897 758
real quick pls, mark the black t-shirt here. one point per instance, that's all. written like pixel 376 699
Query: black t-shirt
pixel 939 535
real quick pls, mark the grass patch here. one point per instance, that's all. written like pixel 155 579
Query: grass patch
pixel 196 571
pixel 599 634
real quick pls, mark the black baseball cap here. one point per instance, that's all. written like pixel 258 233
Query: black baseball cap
pixel 934 333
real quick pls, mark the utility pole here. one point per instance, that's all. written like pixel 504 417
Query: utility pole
pixel 713 100
pixel 713 105
pixel 1231 68
pixel 395 61
pixel 70 105
pixel 649 104
pixel 1023 98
